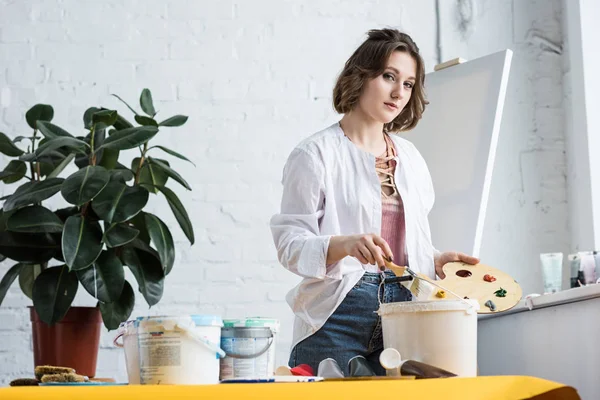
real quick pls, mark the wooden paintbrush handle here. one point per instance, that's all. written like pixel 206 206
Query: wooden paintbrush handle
pixel 397 270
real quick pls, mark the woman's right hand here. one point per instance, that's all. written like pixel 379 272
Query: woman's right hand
pixel 368 249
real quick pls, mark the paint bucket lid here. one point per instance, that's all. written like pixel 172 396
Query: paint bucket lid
pixel 245 332
pixel 468 305
pixel 207 320
pixel 169 322
pixel 260 322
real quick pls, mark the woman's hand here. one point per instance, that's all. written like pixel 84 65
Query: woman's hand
pixel 451 256
pixel 368 248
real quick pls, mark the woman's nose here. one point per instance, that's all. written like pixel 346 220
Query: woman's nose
pixel 399 93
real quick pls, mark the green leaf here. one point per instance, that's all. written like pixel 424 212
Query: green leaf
pixel 81 242
pixel 8 279
pixel 176 120
pixel 173 153
pixel 120 174
pixel 106 117
pixel 118 311
pixel 129 138
pixel 39 112
pixel 146 103
pixel 109 158
pixel 50 157
pixel 53 292
pixel 118 202
pixel 150 176
pixel 4 216
pixel 60 167
pixel 122 123
pixel 128 106
pixel 34 219
pixel 139 222
pixel 7 147
pixel 31 248
pixel 27 277
pixel 119 234
pixel 148 272
pixel 179 211
pixel 55 143
pixel 14 171
pixel 104 279
pixel 140 119
pixel 33 192
pixel 51 131
pixel 163 241
pixel 66 212
pixel 29 157
pixel 20 138
pixel 85 184
pixel 170 172
pixel 87 117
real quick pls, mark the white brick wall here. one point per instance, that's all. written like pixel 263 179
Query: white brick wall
pixel 255 78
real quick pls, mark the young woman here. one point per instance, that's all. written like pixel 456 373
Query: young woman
pixel 352 194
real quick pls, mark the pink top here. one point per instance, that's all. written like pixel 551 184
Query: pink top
pixel 393 230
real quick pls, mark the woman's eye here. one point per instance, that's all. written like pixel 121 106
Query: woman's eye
pixel 389 77
pixel 409 85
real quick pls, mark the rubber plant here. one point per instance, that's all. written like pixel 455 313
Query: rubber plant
pixel 105 227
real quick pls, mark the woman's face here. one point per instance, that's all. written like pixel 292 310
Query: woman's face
pixel 385 96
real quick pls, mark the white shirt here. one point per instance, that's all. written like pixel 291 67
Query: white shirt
pixel 330 188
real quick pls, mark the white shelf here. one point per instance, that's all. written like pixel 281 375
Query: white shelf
pixel 549 300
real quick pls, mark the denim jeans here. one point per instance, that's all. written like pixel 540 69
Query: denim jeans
pixel 354 328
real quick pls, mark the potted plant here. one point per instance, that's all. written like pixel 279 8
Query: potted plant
pixel 103 229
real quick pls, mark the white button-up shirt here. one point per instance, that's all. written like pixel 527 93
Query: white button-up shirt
pixel 330 188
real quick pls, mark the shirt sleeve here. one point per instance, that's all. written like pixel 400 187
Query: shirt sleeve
pixel 300 247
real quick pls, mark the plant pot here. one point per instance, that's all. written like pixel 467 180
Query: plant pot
pixel 72 342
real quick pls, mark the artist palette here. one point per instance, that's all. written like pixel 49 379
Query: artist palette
pixel 468 281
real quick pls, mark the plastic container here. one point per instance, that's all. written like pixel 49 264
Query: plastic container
pixel 173 350
pixel 128 332
pixel 249 352
pixel 439 333
pixel 250 322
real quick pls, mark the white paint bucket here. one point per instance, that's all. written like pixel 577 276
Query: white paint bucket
pixel 179 350
pixel 440 333
pixel 128 332
pixel 249 350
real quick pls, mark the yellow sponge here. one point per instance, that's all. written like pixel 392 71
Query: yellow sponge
pixel 42 370
pixel 63 378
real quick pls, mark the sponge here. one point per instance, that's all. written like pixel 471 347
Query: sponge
pixel 24 382
pixel 69 377
pixel 42 370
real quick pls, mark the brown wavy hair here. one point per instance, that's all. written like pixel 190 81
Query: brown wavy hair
pixel 370 61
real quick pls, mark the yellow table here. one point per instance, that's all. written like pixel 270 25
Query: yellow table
pixel 480 388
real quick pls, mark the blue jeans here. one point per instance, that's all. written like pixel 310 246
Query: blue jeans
pixel 354 328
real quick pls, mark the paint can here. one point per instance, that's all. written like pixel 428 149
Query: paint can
pixel 180 350
pixel 440 333
pixel 127 332
pixel 250 347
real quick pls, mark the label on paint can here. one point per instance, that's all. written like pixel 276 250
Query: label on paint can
pixel 176 350
pixel 248 352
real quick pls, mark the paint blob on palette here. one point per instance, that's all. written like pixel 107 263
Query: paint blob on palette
pixel 495 290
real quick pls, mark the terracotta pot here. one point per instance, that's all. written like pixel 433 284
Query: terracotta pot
pixel 72 342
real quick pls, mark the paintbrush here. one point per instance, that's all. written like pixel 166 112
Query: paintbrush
pixel 422 286
pixel 419 287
